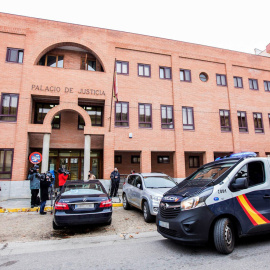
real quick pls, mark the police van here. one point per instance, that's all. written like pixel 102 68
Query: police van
pixel 222 200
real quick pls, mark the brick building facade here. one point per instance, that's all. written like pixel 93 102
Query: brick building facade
pixel 180 104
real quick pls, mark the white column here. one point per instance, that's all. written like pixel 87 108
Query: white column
pixel 45 152
pixel 86 162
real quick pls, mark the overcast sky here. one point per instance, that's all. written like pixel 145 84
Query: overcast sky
pixel 239 25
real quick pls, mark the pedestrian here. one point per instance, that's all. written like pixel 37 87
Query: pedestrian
pixel 132 171
pixel 34 176
pixel 91 176
pixel 45 182
pixel 115 177
pixel 62 177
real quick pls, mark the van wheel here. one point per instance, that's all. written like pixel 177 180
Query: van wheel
pixel 56 227
pixel 126 205
pixel 224 236
pixel 146 213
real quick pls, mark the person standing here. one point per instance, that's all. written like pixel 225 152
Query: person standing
pixel 115 177
pixel 33 176
pixel 62 177
pixel 45 182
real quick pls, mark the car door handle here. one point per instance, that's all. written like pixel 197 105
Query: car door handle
pixel 266 196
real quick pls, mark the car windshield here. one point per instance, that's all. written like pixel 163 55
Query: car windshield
pixel 158 182
pixel 83 189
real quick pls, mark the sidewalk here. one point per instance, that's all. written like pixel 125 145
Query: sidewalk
pixel 23 205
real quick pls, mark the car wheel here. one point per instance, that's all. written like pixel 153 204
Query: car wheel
pixel 146 213
pixel 56 227
pixel 126 205
pixel 224 236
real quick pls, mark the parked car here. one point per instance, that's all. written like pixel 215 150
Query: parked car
pixel 82 202
pixel 144 191
pixel 222 200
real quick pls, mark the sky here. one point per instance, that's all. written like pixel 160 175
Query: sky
pixel 236 25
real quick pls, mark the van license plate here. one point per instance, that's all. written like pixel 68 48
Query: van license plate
pixel 85 206
pixel 164 224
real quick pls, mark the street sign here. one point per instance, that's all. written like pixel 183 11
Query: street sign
pixel 35 158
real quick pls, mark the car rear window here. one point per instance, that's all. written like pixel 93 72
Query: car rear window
pixel 83 189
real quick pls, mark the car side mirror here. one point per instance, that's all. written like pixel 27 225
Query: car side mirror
pixel 139 186
pixel 240 183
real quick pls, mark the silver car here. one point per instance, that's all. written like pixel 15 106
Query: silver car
pixel 144 191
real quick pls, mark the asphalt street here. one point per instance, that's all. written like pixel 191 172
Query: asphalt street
pixel 144 251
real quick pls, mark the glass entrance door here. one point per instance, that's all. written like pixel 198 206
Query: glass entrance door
pixel 71 164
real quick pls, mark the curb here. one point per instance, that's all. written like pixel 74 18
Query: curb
pixel 36 209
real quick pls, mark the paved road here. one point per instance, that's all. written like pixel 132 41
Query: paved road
pixel 144 251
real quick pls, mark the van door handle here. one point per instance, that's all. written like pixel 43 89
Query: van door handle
pixel 266 196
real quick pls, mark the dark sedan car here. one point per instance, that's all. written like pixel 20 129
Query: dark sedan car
pixel 82 202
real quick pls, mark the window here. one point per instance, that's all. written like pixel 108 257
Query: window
pixel 266 85
pixel 167 116
pixel 163 159
pixel 6 158
pixel 41 110
pixel 203 77
pixel 121 114
pixel 145 115
pixel 52 61
pixel 131 179
pixel 221 80
pixel 225 122
pixel 96 115
pixel 254 172
pixel 165 73
pixel 188 118
pixel 185 75
pixel 242 121
pixel 144 70
pixel 135 159
pixel 122 67
pixel 118 159
pixel 238 82
pixel 253 84
pixel 258 123
pixel 9 107
pixel 88 64
pixel 194 162
pixel 14 55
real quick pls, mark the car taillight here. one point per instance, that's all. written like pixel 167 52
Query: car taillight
pixel 61 206
pixel 107 203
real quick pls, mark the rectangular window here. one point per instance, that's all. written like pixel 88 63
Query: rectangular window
pixel 145 115
pixel 144 70
pixel 41 110
pixel 121 114
pixel 6 159
pixel 238 82
pixel 185 75
pixel 221 80
pixel 163 159
pixel 188 118
pixel 52 61
pixel 96 115
pixel 194 162
pixel 266 85
pixel 9 107
pixel 242 121
pixel 225 122
pixel 253 84
pixel 118 159
pixel 258 122
pixel 135 159
pixel 122 67
pixel 165 73
pixel 14 55
pixel 167 117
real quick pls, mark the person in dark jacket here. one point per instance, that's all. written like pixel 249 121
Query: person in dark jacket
pixel 33 176
pixel 44 194
pixel 115 177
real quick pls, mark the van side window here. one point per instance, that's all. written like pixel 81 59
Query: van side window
pixel 137 181
pixel 254 172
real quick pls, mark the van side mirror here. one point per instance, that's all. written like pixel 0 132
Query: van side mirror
pixel 240 183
